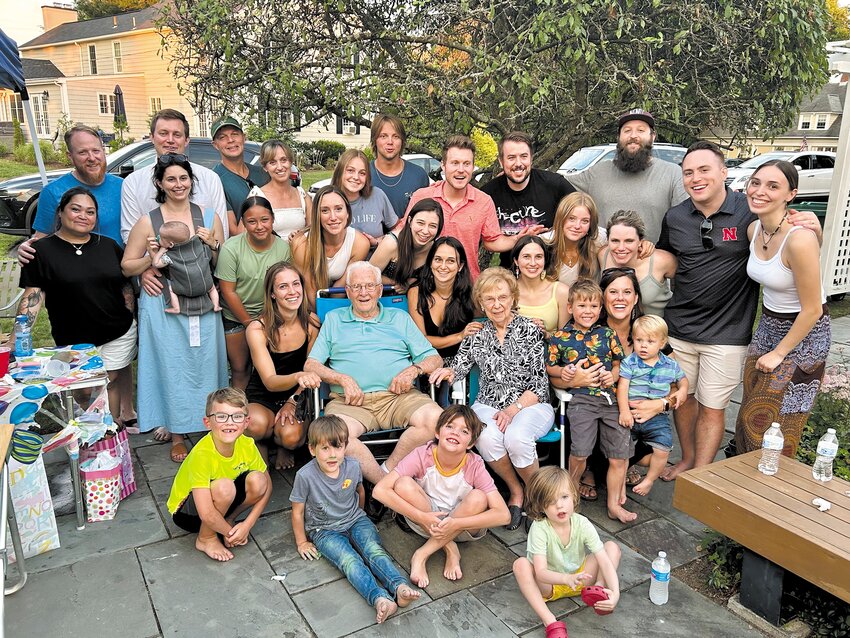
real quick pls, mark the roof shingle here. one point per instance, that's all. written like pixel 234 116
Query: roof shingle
pixel 86 29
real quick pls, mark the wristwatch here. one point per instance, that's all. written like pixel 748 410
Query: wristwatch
pixel 519 406
pixel 666 405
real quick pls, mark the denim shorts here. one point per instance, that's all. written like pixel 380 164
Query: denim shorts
pixel 656 432
pixel 231 327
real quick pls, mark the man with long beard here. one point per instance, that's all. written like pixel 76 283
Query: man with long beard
pixel 634 180
pixel 85 150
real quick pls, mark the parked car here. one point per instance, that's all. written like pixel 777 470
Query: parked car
pixel 586 157
pixel 427 163
pixel 815 169
pixel 19 196
pixel 732 162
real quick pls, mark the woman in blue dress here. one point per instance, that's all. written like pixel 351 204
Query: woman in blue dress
pixel 182 358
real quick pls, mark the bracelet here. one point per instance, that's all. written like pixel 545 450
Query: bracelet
pixel 666 405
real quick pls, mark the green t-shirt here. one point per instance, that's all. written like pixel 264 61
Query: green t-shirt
pixel 205 465
pixel 565 559
pixel 240 264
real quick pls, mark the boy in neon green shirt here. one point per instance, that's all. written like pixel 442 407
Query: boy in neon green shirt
pixel 221 477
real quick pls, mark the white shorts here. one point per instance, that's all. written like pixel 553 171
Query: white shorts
pixel 713 371
pixel 518 439
pixel 120 352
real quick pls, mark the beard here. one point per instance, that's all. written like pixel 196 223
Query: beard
pixel 633 162
pixel 92 178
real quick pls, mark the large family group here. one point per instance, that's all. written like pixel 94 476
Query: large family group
pixel 630 289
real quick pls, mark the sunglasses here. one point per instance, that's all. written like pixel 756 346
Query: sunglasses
pixel 620 270
pixel 705 229
pixel 171 158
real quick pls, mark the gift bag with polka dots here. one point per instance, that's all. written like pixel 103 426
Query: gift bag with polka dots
pixel 103 493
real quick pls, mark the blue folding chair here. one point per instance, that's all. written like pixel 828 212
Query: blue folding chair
pixel 467 390
pixel 380 442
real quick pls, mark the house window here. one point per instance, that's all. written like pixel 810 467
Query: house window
pixel 17 107
pixel 117 62
pixel 92 59
pixel 4 110
pixel 805 123
pixel 204 123
pixel 156 104
pixel 106 103
pixel 42 123
pixel 821 123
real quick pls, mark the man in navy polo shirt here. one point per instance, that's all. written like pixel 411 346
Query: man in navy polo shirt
pixel 711 314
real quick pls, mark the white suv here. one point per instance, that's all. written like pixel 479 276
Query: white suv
pixel 586 157
pixel 815 168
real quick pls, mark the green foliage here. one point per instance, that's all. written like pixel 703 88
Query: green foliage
pixel 823 612
pixel 89 9
pixel 330 150
pixel 838 26
pixel 117 143
pixel 258 133
pixel 726 557
pixel 4 150
pixel 486 149
pixel 26 154
pixel 18 135
pixel 562 71
pixel 367 151
pixel 831 410
pixel 120 127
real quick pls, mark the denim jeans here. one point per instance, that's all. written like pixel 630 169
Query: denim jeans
pixel 358 553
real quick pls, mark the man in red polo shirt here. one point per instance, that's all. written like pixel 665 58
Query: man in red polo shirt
pixel 469 214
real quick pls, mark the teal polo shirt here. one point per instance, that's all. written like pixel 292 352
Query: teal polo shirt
pixel 236 187
pixel 371 351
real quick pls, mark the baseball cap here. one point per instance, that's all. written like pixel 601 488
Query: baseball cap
pixel 223 121
pixel 636 114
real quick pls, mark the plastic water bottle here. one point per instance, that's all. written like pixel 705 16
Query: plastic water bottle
pixel 23 337
pixel 827 451
pixel 771 450
pixel 659 579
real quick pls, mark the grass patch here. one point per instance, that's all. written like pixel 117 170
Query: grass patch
pixel 308 178
pixel 9 168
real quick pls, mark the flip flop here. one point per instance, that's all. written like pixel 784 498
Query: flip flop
pixel 633 477
pixel 131 425
pixel 179 450
pixel 516 517
pixel 592 595
pixel 592 495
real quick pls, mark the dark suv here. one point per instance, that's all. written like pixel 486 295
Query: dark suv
pixel 19 196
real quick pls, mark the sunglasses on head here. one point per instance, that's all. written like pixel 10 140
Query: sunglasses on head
pixel 171 158
pixel 619 270
pixel 705 229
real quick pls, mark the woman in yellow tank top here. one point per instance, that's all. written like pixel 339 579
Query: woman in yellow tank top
pixel 540 298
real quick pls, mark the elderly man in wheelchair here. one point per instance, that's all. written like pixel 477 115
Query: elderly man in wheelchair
pixel 371 356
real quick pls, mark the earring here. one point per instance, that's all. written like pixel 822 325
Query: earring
pixel 542 275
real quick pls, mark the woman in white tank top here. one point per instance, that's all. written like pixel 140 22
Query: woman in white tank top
pixel 786 359
pixel 291 205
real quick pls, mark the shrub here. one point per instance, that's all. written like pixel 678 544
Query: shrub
pixel 820 610
pixel 328 150
pixel 486 149
pixel 4 150
pixel 19 139
pixel 726 557
pixel 831 410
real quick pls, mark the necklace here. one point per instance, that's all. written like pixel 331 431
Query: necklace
pixel 770 235
pixel 78 249
pixel 398 179
pixel 571 261
pixel 444 298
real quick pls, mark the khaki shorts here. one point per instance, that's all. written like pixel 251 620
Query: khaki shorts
pixel 591 417
pixel 380 410
pixel 713 371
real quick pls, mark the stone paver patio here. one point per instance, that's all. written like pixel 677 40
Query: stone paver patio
pixel 139 576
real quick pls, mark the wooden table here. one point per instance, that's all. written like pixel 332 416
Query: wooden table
pixel 773 517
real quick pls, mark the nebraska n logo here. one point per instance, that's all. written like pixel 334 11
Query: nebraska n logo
pixel 730 234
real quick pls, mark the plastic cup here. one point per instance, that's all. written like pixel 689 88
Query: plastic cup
pixel 4 360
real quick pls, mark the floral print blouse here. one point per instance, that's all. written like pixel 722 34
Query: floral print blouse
pixel 508 368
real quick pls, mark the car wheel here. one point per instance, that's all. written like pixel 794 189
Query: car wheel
pixel 29 218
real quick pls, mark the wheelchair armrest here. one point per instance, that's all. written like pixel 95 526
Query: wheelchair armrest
pixel 562 395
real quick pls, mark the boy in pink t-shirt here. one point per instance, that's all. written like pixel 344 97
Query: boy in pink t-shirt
pixel 445 493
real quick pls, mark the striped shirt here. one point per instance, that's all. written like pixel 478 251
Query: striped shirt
pixel 650 382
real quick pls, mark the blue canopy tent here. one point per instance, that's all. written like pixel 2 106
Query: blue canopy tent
pixel 12 77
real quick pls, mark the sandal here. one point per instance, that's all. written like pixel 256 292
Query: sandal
pixel 592 595
pixel 179 452
pixel 633 477
pixel 557 629
pixel 589 493
pixel 516 517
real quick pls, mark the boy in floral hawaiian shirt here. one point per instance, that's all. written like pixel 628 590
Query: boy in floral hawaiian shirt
pixel 592 412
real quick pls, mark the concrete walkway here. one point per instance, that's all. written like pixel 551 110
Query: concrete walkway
pixel 139 576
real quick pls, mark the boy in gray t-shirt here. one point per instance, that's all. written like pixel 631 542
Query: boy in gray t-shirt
pixel 327 506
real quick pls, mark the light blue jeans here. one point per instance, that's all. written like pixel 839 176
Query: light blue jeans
pixel 358 553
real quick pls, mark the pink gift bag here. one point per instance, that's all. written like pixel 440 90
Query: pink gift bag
pixel 118 446
pixel 102 490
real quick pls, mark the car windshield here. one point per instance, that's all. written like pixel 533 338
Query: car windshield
pixel 758 160
pixel 118 156
pixel 674 155
pixel 581 159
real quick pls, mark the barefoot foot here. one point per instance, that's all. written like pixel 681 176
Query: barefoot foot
pixel 617 513
pixel 671 472
pixel 161 434
pixel 452 570
pixel 405 594
pixel 284 459
pixel 643 488
pixel 418 573
pixel 385 608
pixel 213 548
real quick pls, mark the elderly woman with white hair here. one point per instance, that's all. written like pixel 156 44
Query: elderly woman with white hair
pixel 513 395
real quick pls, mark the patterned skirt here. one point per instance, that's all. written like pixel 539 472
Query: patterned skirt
pixel 787 394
